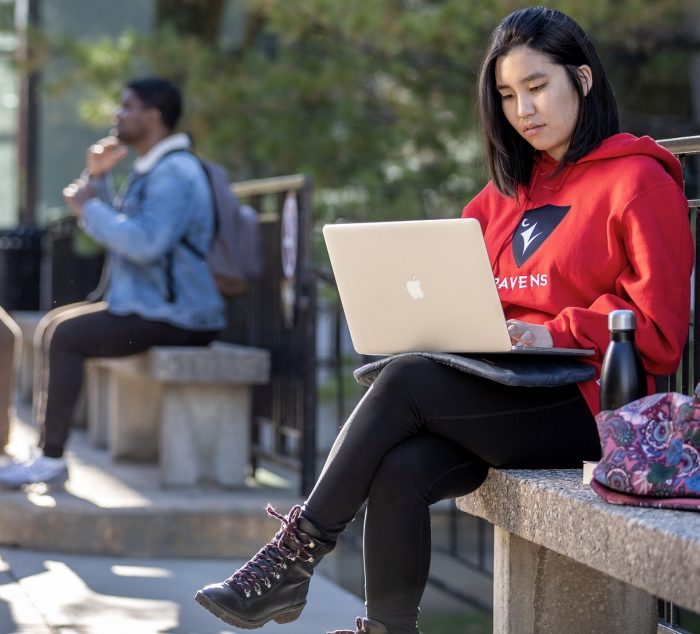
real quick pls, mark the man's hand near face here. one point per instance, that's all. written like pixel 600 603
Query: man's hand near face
pixel 104 155
pixel 101 157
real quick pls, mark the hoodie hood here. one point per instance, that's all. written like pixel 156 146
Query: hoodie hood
pixel 625 144
pixel 616 146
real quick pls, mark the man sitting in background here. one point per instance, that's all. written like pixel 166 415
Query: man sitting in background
pixel 159 291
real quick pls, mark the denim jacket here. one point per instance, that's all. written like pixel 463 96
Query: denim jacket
pixel 151 272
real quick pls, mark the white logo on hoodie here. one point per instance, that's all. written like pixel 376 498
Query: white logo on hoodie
pixel 535 227
pixel 527 235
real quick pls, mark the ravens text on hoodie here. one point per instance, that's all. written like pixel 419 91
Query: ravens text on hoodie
pixel 610 231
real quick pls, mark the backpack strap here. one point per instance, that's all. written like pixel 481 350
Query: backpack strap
pixel 185 241
pixel 170 256
pixel 170 294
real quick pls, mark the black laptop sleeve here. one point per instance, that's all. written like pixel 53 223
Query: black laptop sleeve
pixel 529 371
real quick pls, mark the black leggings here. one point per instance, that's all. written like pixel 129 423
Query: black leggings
pixel 425 432
pixel 89 330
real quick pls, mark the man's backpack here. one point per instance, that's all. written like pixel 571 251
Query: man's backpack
pixel 236 256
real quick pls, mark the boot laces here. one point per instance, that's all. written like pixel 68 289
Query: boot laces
pixel 271 561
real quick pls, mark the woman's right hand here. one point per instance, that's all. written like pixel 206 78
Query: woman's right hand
pixel 104 155
pixel 526 335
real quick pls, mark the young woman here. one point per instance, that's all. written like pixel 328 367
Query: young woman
pixel 578 220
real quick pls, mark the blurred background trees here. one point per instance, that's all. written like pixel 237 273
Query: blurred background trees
pixel 373 99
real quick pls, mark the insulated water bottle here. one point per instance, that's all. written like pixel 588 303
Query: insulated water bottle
pixel 622 377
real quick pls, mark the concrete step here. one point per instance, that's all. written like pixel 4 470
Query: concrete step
pixel 119 509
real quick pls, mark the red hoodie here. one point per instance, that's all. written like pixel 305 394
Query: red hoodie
pixel 609 232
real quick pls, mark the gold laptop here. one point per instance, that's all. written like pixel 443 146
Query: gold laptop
pixel 423 285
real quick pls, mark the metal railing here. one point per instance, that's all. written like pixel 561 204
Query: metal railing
pixel 671 617
pixel 278 312
pixel 689 371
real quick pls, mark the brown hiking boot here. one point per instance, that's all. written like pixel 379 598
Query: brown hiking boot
pixel 273 585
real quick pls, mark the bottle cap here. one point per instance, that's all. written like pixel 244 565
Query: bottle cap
pixel 621 320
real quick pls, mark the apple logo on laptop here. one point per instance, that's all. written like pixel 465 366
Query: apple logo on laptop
pixel 414 289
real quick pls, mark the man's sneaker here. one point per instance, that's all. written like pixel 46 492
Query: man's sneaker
pixel 37 469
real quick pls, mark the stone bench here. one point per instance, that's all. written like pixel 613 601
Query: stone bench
pixel 566 561
pixel 187 407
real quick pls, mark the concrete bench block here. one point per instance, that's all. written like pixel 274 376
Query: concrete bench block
pixel 123 407
pixel 557 539
pixel 539 591
pixel 133 404
pixel 189 407
pixel 219 362
pixel 220 455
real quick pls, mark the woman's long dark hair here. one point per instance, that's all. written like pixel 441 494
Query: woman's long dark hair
pixel 554 34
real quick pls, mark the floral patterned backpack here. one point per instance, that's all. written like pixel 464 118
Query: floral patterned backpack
pixel 651 452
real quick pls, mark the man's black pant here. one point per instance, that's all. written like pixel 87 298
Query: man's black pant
pixel 89 330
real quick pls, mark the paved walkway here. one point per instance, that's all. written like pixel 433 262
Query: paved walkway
pixel 116 512
pixel 49 593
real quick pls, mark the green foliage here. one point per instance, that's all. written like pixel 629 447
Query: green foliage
pixel 7 18
pixel 374 100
